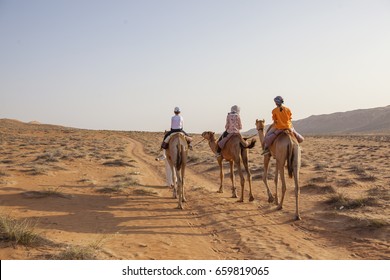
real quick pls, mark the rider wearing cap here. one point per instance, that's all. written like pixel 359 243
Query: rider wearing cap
pixel 282 118
pixel 233 125
pixel 176 126
pixel 281 115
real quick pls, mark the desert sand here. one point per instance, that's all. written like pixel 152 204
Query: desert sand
pixel 101 195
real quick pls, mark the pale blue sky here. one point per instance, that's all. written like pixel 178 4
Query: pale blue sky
pixel 126 64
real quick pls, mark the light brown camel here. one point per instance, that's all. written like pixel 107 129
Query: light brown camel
pixel 284 149
pixel 177 159
pixel 235 151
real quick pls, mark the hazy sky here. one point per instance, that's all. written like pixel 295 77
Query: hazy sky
pixel 126 64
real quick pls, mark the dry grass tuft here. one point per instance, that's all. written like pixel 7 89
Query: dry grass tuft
pixel 117 188
pixel 144 192
pixel 21 232
pixel 77 253
pixel 49 192
pixel 340 201
pixel 116 163
pixel 345 182
pixel 313 188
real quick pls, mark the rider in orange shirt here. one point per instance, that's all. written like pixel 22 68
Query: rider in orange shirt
pixel 282 118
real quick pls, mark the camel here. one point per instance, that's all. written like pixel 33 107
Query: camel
pixel 177 159
pixel 235 150
pixel 284 149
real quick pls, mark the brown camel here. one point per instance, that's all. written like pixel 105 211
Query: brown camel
pixel 177 159
pixel 235 150
pixel 284 149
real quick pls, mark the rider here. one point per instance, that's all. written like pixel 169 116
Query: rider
pixel 176 126
pixel 233 125
pixel 282 118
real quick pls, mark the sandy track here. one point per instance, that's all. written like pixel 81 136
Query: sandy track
pixel 215 226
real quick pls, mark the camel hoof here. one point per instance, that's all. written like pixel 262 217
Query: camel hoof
pixel 180 207
pixel 270 199
pixel 251 198
pixel 298 218
pixel 219 191
pixel 240 200
pixel 184 200
pixel 280 207
pixel 234 196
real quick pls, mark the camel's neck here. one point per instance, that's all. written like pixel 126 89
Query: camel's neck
pixel 261 135
pixel 213 145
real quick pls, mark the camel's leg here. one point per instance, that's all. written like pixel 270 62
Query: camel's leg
pixel 297 163
pixel 276 183
pixel 234 192
pixel 174 180
pixel 182 183
pixel 180 191
pixel 296 179
pixel 283 179
pixel 220 176
pixel 265 178
pixel 242 180
pixel 249 177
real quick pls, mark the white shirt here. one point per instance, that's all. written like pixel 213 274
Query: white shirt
pixel 177 122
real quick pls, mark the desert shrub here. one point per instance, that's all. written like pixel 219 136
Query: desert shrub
pixel 77 253
pixel 320 166
pixel 48 192
pixel 357 169
pixel 345 182
pixel 116 163
pixel 367 177
pixel 340 201
pixel 37 170
pixel 21 232
pixel 144 192
pixel 321 179
pixel 117 188
pixel 317 189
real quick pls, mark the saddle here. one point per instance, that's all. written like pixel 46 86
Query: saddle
pixel 166 141
pixel 292 135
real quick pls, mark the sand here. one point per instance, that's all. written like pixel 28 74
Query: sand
pixel 103 193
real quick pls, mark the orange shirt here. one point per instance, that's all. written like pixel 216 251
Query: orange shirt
pixel 282 119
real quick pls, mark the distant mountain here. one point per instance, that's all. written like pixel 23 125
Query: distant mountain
pixel 376 120
pixel 12 124
pixel 363 121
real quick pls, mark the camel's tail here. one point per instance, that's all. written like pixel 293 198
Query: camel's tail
pixel 179 157
pixel 290 158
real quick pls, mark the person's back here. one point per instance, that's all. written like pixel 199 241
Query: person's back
pixel 282 116
pixel 177 122
pixel 176 126
pixel 233 123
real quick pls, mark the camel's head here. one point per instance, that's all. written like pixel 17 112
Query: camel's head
pixel 260 124
pixel 208 135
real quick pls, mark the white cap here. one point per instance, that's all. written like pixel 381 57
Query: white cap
pixel 177 110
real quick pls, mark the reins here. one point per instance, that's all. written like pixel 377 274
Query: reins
pixel 199 142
